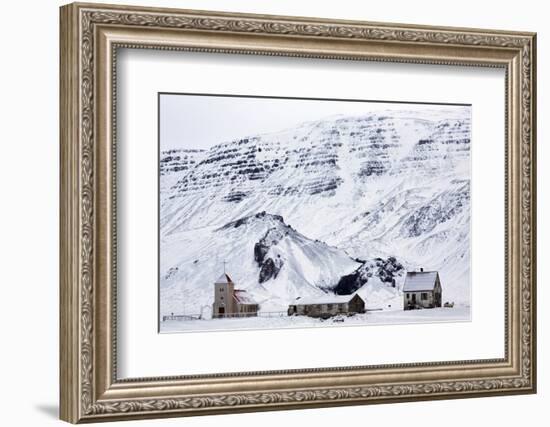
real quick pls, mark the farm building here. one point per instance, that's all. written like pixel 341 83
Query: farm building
pixel 231 302
pixel 327 306
pixel 422 289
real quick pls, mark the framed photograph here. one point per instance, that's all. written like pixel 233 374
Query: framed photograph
pixel 267 212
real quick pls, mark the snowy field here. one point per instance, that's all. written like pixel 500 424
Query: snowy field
pixel 435 315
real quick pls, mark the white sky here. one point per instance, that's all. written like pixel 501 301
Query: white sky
pixel 198 121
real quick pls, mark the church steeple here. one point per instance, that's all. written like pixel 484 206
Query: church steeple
pixel 224 290
pixel 224 279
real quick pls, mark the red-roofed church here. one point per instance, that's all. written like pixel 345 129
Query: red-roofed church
pixel 231 302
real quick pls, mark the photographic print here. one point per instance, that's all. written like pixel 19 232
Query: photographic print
pixel 300 212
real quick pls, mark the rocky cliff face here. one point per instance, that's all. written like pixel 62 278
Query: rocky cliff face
pixel 173 164
pixel 375 186
pixel 388 271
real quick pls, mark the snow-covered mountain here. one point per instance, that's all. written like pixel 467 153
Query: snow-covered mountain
pixel 263 254
pixel 379 185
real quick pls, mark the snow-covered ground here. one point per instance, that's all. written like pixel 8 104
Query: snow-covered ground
pixel 388 317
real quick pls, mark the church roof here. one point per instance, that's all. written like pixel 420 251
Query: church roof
pixel 224 278
pixel 420 281
pixel 243 297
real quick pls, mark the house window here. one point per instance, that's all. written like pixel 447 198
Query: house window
pixel 329 306
pixel 408 296
pixel 424 296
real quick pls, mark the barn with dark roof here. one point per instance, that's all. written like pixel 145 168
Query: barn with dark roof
pixel 422 289
pixel 327 306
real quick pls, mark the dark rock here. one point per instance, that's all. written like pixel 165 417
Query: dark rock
pixel 235 196
pixel 260 251
pixel 270 269
pixel 385 269
pixel 349 283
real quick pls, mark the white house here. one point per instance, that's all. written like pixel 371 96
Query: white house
pixel 422 289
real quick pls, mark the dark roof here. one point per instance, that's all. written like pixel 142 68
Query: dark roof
pixel 420 281
pixel 326 299
pixel 243 297
pixel 224 278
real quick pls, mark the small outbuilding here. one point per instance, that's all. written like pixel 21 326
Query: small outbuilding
pixel 327 306
pixel 422 289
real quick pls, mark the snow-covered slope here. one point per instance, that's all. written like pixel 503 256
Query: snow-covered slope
pixel 377 185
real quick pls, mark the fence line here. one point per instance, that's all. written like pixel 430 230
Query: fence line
pixel 272 313
pixel 268 314
pixel 181 317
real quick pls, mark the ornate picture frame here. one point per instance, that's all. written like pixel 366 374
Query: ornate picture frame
pixel 91 34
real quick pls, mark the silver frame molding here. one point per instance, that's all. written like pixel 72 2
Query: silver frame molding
pixel 90 37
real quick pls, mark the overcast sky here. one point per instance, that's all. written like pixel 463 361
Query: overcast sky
pixel 198 121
